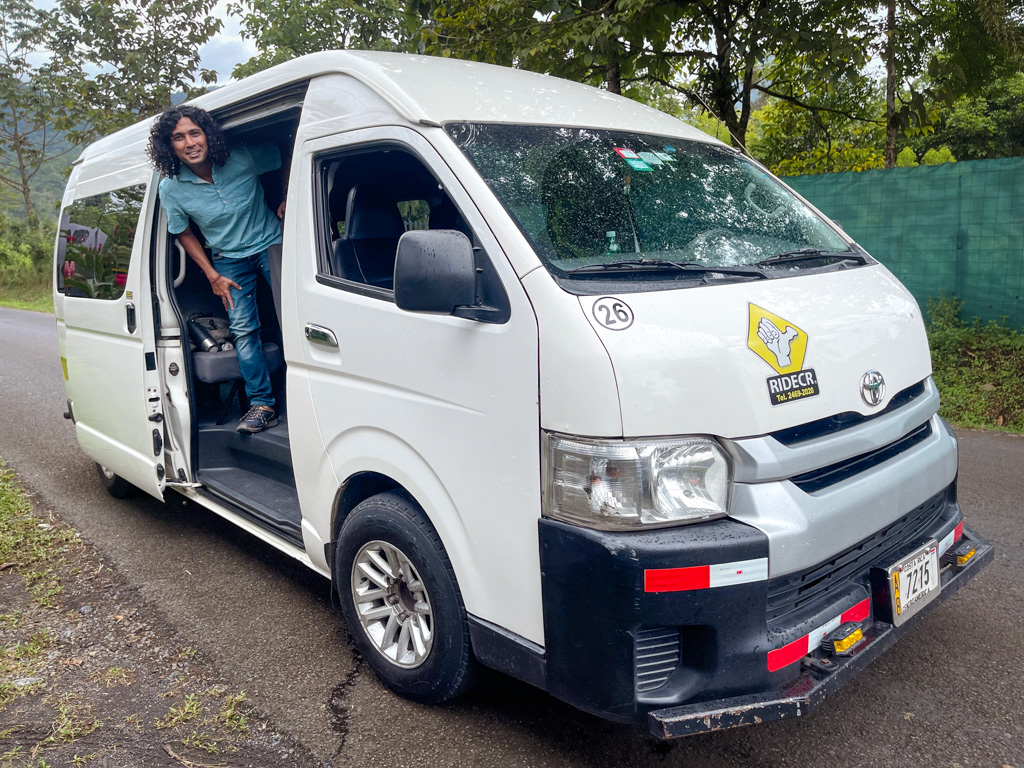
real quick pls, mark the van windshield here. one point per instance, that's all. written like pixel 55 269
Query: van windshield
pixel 596 200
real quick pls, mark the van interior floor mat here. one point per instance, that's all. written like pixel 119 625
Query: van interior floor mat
pixel 273 503
pixel 252 471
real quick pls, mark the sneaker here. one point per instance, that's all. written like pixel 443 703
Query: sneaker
pixel 258 418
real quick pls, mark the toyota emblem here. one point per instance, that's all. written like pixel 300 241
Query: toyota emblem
pixel 872 387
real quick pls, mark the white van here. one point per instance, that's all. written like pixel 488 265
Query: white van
pixel 568 388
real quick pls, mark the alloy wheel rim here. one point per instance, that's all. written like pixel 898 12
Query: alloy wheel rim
pixel 392 604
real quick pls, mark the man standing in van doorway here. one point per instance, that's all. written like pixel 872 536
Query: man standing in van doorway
pixel 220 190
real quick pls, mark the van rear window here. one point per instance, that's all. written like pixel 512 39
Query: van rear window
pixel 95 245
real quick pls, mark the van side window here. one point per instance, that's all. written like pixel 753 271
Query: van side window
pixel 95 243
pixel 370 198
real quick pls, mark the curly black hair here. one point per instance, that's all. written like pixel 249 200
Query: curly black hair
pixel 162 154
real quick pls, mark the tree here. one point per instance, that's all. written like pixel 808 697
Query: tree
pixel 988 124
pixel 844 133
pixel 284 29
pixel 27 102
pixel 121 60
pixel 719 55
pixel 615 42
pixel 938 50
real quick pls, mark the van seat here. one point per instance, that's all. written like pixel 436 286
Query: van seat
pixel 373 224
pixel 216 367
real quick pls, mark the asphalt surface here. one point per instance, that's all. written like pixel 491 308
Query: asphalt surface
pixel 951 694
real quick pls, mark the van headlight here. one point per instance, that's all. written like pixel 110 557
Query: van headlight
pixel 634 484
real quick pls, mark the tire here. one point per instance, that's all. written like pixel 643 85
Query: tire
pixel 116 485
pixel 413 632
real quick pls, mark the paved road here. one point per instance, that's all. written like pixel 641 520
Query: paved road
pixel 951 694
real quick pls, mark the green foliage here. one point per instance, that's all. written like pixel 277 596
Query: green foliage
pixel 580 40
pixel 988 124
pixel 284 29
pixel 906 158
pixel 120 60
pixel 937 156
pixel 629 42
pixel 979 369
pixel 830 159
pixel 26 252
pixel 793 141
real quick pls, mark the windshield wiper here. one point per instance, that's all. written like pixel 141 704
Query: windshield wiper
pixel 662 264
pixel 809 254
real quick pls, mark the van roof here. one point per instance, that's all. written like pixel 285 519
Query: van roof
pixel 440 90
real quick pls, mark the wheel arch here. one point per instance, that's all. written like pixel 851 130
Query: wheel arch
pixel 384 462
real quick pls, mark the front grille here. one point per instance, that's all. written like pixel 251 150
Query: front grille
pixel 822 478
pixel 657 657
pixel 847 420
pixel 789 593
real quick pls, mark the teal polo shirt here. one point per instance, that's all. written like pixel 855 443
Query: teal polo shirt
pixel 231 213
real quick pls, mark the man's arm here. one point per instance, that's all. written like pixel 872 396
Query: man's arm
pixel 221 285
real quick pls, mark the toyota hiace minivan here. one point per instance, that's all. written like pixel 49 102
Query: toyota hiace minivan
pixel 569 389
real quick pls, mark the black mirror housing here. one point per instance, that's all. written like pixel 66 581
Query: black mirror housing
pixel 435 271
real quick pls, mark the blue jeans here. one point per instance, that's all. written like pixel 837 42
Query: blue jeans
pixel 245 323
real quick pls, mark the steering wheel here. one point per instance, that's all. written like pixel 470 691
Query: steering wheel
pixel 749 197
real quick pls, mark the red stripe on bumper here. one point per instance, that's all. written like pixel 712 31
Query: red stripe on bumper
pixel 677 579
pixel 859 612
pixel 958 532
pixel 787 654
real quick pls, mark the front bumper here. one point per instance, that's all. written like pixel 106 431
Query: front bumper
pixel 680 629
pixel 803 695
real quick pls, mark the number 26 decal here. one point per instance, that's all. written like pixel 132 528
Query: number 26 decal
pixel 614 314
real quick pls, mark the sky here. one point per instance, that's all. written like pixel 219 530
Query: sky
pixel 227 48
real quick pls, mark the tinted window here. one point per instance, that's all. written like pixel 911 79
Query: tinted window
pixel 386 191
pixel 95 244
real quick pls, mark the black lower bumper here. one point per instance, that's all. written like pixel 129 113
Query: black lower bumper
pixel 804 694
pixel 682 630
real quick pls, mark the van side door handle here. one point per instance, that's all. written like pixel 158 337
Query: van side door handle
pixel 129 309
pixel 317 334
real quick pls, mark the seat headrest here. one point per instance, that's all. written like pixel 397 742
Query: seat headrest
pixel 372 214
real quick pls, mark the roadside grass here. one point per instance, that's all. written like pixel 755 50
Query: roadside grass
pixel 978 368
pixel 35 296
pixel 88 675
pixel 31 545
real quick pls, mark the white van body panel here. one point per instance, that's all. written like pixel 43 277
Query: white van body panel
pixel 578 394
pixel 445 406
pixel 108 383
pixel 683 366
pixel 436 90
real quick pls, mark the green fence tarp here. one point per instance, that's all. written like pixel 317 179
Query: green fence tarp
pixel 955 229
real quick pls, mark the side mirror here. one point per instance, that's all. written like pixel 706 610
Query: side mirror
pixel 435 271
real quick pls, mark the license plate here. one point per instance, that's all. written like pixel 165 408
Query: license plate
pixel 913 582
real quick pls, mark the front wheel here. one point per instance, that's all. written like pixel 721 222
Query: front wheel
pixel 116 485
pixel 401 601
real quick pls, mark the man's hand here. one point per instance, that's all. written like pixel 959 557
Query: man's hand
pixel 280 210
pixel 222 287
